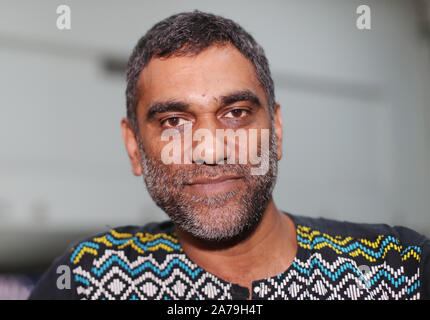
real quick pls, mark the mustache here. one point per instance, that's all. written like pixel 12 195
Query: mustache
pixel 186 173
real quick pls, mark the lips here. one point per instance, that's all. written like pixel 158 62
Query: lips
pixel 208 180
pixel 207 185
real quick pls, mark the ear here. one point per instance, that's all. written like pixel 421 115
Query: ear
pixel 132 147
pixel 278 129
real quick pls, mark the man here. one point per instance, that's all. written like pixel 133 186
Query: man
pixel 192 77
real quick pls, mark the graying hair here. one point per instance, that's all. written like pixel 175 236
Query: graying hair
pixel 189 33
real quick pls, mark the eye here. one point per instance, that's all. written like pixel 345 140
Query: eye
pixel 174 122
pixel 236 114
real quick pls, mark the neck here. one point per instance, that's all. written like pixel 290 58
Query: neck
pixel 266 252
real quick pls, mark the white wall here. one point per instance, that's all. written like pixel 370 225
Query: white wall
pixel 355 106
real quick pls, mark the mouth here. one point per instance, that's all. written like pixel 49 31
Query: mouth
pixel 208 186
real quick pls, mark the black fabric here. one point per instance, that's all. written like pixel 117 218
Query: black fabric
pixel 322 242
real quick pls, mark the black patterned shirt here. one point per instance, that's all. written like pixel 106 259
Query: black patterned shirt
pixel 334 260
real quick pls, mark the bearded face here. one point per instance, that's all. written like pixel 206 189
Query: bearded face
pixel 216 89
pixel 231 210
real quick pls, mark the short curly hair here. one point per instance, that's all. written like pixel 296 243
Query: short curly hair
pixel 189 33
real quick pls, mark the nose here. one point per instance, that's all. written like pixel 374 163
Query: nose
pixel 206 149
pixel 206 153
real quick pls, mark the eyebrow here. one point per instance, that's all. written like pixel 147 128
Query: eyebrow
pixel 244 95
pixel 179 106
pixel 166 106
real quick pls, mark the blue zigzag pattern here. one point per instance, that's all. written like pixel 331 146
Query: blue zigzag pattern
pixel 117 242
pixel 81 246
pixel 145 266
pixel 83 280
pixel 146 245
pixel 416 248
pixel 315 263
pixel 356 245
pixel 337 273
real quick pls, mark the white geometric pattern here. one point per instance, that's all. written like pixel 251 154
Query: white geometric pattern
pixel 117 283
pixel 177 284
pixel 318 285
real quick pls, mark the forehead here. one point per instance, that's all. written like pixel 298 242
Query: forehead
pixel 216 71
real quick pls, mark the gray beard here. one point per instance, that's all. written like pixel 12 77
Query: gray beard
pixel 210 218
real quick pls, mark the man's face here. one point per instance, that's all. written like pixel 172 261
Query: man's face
pixel 216 89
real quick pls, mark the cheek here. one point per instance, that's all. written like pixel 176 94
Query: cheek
pixel 255 144
pixel 152 143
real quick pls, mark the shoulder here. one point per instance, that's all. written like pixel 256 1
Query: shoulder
pixel 389 251
pixel 93 254
pixel 126 243
pixel 347 229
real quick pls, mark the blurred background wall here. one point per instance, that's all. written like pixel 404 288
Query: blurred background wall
pixel 356 111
